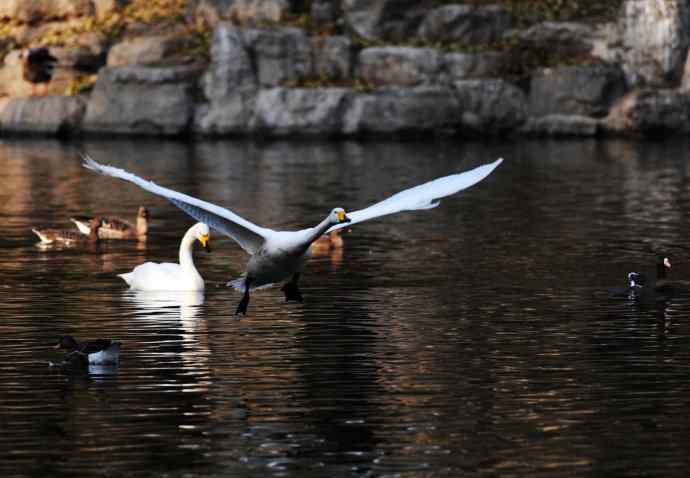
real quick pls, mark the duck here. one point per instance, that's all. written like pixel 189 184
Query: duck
pixel 93 352
pixel 640 289
pixel 116 228
pixel 167 276
pixel 68 237
pixel 280 255
pixel 327 243
pixel 37 66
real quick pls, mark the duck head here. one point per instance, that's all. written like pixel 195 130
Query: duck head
pixel 338 216
pixel 203 236
pixel 636 280
pixel 662 264
pixel 66 342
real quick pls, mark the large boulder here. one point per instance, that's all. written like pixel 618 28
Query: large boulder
pixel 400 66
pixel 463 66
pixel 149 50
pixel 587 90
pixel 562 125
pixel 33 11
pixel 332 57
pixel 402 111
pixel 298 111
pixel 465 24
pixel 49 115
pixel 490 106
pixel 392 20
pixel 655 40
pixel 563 39
pixel 651 112
pixel 243 12
pixel 229 84
pixel 280 56
pixel 142 100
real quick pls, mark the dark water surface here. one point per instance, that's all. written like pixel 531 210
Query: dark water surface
pixel 475 339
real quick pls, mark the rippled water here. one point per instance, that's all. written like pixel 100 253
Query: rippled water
pixel 475 339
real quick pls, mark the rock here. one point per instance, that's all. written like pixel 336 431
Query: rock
pixel 655 40
pixel 462 66
pixel 243 12
pixel 280 56
pixel 465 24
pixel 562 125
pixel 587 90
pixel 149 50
pixel 104 8
pixel 402 111
pixel 299 111
pixel 229 115
pixel 325 12
pixel 650 112
pixel 400 66
pixel 491 106
pixel 51 115
pixel 332 57
pixel 229 84
pixel 564 39
pixel 231 67
pixel 79 58
pixel 33 11
pixel 142 100
pixel 391 20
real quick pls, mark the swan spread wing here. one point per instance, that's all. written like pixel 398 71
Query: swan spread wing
pixel 248 235
pixel 424 196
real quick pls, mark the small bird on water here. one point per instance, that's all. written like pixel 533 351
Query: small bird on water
pixel 93 352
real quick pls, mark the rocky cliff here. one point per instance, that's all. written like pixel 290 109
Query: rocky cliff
pixel 345 68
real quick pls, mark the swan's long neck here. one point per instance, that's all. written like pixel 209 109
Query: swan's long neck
pixel 318 230
pixel 186 258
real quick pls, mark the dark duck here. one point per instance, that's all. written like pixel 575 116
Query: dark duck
pixel 640 289
pixel 93 352
pixel 37 67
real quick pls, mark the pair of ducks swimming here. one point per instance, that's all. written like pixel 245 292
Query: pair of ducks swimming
pixel 93 229
pixel 642 290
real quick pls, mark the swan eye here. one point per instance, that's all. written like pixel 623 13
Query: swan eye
pixel 203 239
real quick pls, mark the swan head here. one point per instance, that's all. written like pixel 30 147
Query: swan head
pixel 338 216
pixel 203 236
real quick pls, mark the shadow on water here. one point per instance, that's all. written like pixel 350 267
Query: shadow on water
pixel 473 339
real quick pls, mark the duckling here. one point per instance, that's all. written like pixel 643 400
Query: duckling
pixel 94 352
pixel 68 236
pixel 116 228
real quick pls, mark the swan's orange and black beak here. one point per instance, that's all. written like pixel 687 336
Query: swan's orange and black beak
pixel 205 242
pixel 342 217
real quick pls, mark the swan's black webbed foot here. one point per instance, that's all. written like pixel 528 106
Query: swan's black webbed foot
pixel 242 306
pixel 291 290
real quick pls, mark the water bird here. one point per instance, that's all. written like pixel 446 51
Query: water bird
pixel 640 289
pixel 277 255
pixel 94 352
pixel 327 243
pixel 68 237
pixel 37 66
pixel 116 228
pixel 167 276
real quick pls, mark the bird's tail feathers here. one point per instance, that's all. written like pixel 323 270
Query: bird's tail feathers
pixel 238 285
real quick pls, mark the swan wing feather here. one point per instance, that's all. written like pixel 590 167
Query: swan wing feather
pixel 424 196
pixel 248 235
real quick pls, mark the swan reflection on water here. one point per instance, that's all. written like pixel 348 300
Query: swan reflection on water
pixel 176 312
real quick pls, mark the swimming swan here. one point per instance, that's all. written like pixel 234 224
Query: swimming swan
pixel 168 276
pixel 275 255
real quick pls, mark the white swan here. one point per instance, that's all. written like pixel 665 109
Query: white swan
pixel 275 255
pixel 168 276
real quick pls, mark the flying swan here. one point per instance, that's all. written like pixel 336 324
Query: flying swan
pixel 276 255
